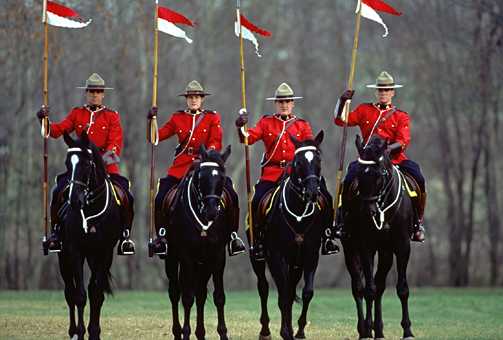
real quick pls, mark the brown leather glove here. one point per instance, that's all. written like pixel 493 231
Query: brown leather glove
pixel 348 94
pixel 152 112
pixel 242 120
pixel 43 112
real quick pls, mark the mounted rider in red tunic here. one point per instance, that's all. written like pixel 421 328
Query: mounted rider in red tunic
pixel 194 127
pixel 275 131
pixel 384 119
pixel 103 127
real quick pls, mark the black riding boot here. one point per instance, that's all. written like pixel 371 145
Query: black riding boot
pixel 257 250
pixel 53 243
pixel 418 234
pixel 341 231
pixel 159 246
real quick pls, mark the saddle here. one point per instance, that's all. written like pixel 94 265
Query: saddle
pixel 265 206
pixel 268 204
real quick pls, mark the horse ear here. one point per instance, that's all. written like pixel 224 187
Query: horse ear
pixel 68 140
pixel 226 153
pixel 202 151
pixel 319 138
pixel 295 141
pixel 359 144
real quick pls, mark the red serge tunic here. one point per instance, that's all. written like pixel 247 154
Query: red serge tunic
pixel 394 126
pixel 207 131
pixel 103 127
pixel 280 151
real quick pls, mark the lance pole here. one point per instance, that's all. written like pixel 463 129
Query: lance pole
pixel 245 127
pixel 346 111
pixel 152 130
pixel 45 129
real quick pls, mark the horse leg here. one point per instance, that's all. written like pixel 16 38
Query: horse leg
pixel 171 267
pixel 201 293
pixel 385 261
pixel 402 288
pixel 307 296
pixel 98 284
pixel 369 291
pixel 80 296
pixel 354 268
pixel 263 291
pixel 188 277
pixel 219 297
pixel 67 274
pixel 279 273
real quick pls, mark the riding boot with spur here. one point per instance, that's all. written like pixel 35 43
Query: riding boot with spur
pixel 418 234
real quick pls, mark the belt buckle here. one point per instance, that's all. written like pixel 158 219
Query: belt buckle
pixel 190 151
pixel 282 164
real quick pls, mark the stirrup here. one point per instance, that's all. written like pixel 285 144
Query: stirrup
pixel 236 246
pixel 126 247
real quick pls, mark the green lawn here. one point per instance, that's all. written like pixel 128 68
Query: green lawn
pixel 438 313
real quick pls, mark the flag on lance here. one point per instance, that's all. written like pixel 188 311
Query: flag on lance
pixel 167 19
pixel 370 8
pixel 62 16
pixel 248 28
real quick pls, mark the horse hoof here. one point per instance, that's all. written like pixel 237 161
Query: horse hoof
pixel 408 338
pixel 74 337
pixel 264 337
pixel 379 338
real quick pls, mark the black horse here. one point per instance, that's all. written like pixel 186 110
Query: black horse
pixel 199 225
pixel 90 220
pixel 380 217
pixel 298 214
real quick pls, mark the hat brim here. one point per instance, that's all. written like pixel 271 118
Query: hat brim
pixel 203 94
pixel 376 86
pixel 283 98
pixel 95 88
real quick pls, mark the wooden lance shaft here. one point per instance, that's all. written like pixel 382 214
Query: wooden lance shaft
pixel 246 146
pixel 345 115
pixel 45 125
pixel 152 130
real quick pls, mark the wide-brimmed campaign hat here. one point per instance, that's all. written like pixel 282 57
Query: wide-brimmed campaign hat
pixel 194 89
pixel 284 92
pixel 384 81
pixel 95 82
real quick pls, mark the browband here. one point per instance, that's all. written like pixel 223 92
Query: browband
pixel 306 148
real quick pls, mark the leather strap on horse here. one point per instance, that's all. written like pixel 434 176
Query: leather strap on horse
pixel 265 160
pixel 183 145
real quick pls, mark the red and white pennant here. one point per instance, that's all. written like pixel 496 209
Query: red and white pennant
pixel 371 7
pixel 62 16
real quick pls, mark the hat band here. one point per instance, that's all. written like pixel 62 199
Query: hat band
pixel 385 85
pixel 95 86
pixel 284 97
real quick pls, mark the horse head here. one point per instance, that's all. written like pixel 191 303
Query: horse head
pixel 209 179
pixel 374 171
pixel 306 167
pixel 83 163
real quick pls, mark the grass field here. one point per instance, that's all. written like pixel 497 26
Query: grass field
pixel 435 313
